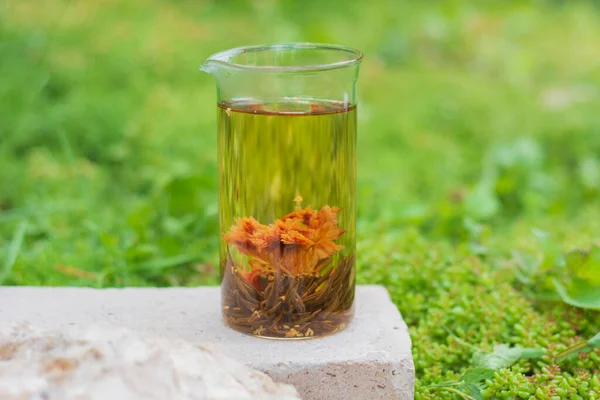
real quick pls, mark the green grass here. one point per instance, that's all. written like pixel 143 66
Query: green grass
pixel 478 123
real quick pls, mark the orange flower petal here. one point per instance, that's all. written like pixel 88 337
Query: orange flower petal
pixel 295 243
pixel 295 237
pixel 298 260
pixel 326 249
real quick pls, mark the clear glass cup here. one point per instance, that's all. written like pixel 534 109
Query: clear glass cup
pixel 287 187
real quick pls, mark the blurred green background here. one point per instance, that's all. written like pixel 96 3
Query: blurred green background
pixel 478 122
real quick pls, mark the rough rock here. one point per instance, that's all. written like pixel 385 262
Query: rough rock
pixel 107 362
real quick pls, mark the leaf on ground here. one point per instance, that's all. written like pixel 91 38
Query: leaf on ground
pixel 581 347
pixel 595 341
pixel 476 375
pixel 504 357
pixel 576 259
pixel 579 293
pixel 472 390
pixel 585 264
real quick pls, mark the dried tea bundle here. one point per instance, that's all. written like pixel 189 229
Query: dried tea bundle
pixel 290 288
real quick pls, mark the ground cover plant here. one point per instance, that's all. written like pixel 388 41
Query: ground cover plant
pixel 479 166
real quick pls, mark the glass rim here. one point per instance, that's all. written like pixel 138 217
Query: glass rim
pixel 222 56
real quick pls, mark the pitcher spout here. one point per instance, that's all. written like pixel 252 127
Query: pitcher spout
pixel 210 67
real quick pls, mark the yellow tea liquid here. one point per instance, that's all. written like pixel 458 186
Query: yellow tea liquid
pixel 287 183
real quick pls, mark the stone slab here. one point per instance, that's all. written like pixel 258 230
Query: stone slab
pixel 371 358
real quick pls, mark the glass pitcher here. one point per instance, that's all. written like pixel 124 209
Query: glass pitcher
pixel 287 187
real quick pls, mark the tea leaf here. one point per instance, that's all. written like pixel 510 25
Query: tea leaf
pixel 579 293
pixel 504 357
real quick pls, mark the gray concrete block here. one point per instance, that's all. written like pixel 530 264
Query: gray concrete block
pixel 370 359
